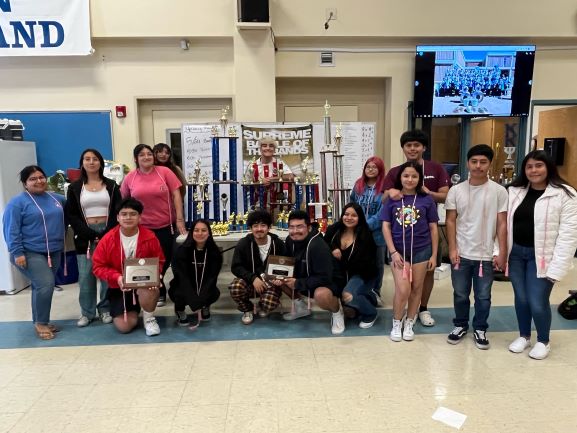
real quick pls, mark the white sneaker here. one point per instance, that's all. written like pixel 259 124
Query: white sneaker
pixel 519 345
pixel 396 332
pixel 151 326
pixel 106 318
pixel 83 321
pixel 540 351
pixel 426 318
pixel 300 309
pixel 262 314
pixel 408 333
pixel 367 325
pixel 338 322
pixel 247 318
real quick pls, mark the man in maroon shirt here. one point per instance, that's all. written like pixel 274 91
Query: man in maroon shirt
pixel 414 144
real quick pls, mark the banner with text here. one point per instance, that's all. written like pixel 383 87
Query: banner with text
pixel 44 28
pixel 294 143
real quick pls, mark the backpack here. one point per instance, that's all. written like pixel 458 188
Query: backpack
pixel 568 308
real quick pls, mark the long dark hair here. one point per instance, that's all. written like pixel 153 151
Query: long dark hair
pixel 163 146
pixel 362 228
pixel 83 174
pixel 418 168
pixel 191 243
pixel 553 177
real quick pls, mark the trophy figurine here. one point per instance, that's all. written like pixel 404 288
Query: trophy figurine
pixel 305 169
pixel 197 170
pixel 280 171
pixel 214 131
pixel 224 120
pixel 249 174
pixel 327 107
pixel 189 179
pixel 199 208
pixel 280 219
pixel 232 221
pixel 232 131
pixel 223 201
pixel 338 138
pixel 224 170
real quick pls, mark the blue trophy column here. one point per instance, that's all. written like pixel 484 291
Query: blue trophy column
pixel 215 177
pixel 232 155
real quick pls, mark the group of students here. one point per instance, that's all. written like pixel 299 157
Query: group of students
pixel 529 232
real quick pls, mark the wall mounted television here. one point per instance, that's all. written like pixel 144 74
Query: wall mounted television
pixel 473 80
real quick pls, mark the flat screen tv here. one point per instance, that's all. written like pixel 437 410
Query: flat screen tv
pixel 473 80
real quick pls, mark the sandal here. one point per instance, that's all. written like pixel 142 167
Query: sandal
pixel 44 332
pixel 53 327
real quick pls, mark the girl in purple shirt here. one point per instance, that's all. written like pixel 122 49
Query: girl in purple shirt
pixel 410 231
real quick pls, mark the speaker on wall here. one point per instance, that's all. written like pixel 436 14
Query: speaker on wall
pixel 253 11
pixel 555 147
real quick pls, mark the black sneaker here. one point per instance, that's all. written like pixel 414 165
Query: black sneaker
pixel 193 320
pixel 161 301
pixel 481 339
pixel 182 318
pixel 205 314
pixel 456 335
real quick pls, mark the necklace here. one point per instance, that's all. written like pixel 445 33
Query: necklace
pixel 199 286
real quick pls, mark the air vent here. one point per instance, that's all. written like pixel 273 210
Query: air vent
pixel 327 59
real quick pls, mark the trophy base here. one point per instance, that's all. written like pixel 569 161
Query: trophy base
pixel 224 182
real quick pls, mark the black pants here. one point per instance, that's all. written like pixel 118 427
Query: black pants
pixel 180 302
pixel 166 239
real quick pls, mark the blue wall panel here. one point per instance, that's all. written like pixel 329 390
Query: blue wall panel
pixel 62 136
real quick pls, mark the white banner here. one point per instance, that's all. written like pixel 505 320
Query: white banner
pixel 44 28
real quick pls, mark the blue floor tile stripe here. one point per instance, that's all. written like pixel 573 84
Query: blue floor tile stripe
pixel 227 327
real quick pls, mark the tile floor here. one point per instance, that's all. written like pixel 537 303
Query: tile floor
pixel 307 383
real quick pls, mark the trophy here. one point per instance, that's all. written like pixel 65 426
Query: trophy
pixel 224 170
pixel 509 163
pixel 214 131
pixel 330 207
pixel 224 120
pixel 232 221
pixel 249 173
pixel 199 208
pixel 280 170
pixel 223 201
pixel 189 179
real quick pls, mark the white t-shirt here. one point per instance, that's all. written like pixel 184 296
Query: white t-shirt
pixel 477 208
pixel 129 245
pixel 263 249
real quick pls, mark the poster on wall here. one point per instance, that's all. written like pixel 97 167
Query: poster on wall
pixel 45 28
pixel 293 144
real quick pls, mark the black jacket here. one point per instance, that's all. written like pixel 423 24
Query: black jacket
pixel 361 261
pixel 313 262
pixel 183 285
pixel 82 233
pixel 246 261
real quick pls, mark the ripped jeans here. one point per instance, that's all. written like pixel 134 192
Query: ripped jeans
pixel 363 299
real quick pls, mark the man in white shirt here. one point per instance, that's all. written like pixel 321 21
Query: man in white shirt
pixel 476 216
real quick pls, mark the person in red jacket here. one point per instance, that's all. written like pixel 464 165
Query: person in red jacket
pixel 128 240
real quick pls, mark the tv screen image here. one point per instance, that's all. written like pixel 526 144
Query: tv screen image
pixel 473 80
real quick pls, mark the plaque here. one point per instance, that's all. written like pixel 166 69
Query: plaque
pixel 141 273
pixel 280 267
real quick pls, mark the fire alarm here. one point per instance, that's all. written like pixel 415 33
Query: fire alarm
pixel 121 111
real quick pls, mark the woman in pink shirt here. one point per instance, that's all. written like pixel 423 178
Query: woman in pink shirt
pixel 157 188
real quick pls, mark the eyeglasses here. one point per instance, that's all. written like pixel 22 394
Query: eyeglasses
pixel 36 179
pixel 371 167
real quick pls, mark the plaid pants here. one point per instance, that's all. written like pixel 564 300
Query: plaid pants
pixel 241 292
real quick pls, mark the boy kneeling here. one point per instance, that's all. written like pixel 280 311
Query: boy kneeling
pixel 125 241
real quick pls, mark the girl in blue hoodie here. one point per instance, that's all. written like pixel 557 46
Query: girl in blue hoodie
pixel 368 193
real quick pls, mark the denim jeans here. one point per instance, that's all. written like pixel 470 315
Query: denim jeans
pixel 41 277
pixel 361 301
pixel 88 283
pixel 463 278
pixel 531 293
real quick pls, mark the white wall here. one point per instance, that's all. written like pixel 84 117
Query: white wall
pixel 138 55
